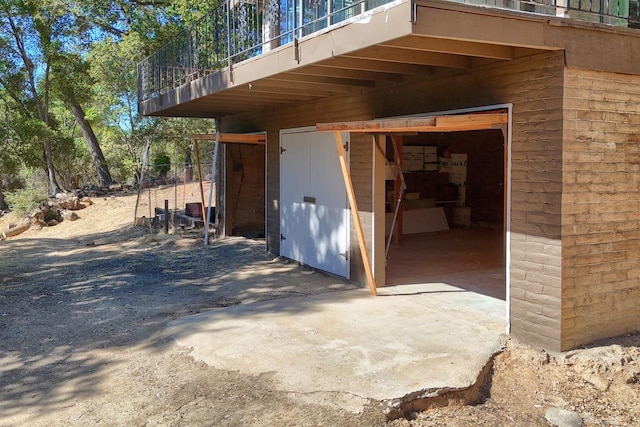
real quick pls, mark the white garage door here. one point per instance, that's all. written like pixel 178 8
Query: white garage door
pixel 314 219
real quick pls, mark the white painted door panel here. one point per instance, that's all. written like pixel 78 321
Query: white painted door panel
pixel 314 219
pixel 294 181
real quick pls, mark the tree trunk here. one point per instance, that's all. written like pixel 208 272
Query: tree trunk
pixel 92 143
pixel 54 188
pixel 3 204
pixel 188 165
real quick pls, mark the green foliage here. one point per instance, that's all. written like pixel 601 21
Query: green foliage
pixel 189 11
pixel 24 200
pixel 162 164
pixel 126 170
pixel 51 214
pixel 86 51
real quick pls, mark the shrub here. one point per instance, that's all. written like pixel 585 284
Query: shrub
pixel 162 164
pixel 24 200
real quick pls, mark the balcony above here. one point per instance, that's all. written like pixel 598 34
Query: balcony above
pixel 256 54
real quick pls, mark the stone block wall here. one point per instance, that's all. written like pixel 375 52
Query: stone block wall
pixel 601 206
pixel 534 85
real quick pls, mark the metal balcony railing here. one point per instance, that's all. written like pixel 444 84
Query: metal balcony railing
pixel 242 29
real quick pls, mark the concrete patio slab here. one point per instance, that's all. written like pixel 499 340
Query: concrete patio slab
pixel 344 348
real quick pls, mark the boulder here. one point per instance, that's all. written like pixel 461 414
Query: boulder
pixel 36 213
pixel 71 203
pixel 69 215
pixel 559 417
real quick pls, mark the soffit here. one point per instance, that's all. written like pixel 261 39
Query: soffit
pixel 352 58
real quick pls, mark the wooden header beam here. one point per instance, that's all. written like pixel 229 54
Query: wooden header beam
pixel 233 138
pixel 453 123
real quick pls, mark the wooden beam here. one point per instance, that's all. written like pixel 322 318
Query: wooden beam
pixel 454 123
pixel 244 138
pixel 293 92
pixel 237 138
pixel 377 65
pixel 317 70
pixel 203 137
pixel 410 56
pixel 393 125
pixel 458 47
pixel 351 195
pixel 246 94
pixel 471 120
pixel 269 84
pixel 322 80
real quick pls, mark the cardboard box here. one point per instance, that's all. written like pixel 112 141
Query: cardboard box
pixel 424 220
pixel 412 153
pixel 412 165
pixel 430 166
pixel 430 151
pixel 419 221
pixel 459 160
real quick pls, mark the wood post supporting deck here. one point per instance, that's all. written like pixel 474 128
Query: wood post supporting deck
pixel 342 157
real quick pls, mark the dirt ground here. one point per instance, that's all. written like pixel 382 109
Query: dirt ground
pixel 83 305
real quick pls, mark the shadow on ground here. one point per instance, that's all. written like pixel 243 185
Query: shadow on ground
pixel 61 299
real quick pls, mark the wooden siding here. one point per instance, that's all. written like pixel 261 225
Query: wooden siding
pixel 246 188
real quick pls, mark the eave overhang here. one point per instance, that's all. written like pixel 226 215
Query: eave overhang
pixel 398 43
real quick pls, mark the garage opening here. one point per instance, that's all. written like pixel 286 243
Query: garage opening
pixel 450 220
pixel 449 213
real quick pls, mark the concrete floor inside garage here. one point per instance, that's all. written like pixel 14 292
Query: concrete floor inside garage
pixel 467 258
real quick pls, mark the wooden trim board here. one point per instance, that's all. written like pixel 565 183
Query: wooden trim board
pixel 454 123
pixel 233 138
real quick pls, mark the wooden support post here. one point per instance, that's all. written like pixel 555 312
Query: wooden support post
pixel 195 142
pixel 184 188
pixel 211 184
pixel 378 251
pixel 342 157
pixel 396 190
pixel 166 216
